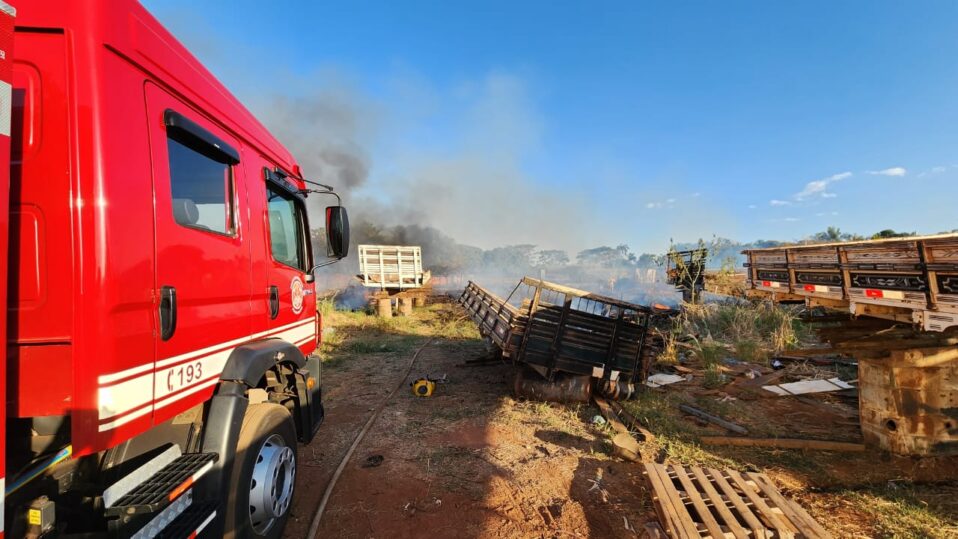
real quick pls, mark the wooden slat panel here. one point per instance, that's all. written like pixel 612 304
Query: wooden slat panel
pixel 784 528
pixel 806 525
pixel 723 502
pixel 758 529
pixel 662 483
pixel 705 515
pixel 729 519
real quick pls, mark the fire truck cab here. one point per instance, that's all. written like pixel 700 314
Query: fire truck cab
pixel 161 322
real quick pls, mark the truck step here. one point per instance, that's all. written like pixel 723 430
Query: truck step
pixel 191 523
pixel 163 487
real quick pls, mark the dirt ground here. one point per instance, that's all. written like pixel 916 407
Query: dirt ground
pixel 472 461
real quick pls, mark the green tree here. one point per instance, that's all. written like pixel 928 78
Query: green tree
pixel 889 233
pixel 551 258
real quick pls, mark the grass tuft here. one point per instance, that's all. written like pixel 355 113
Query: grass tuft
pixel 752 331
pixel 710 353
pixel 751 350
pixel 325 306
pixel 713 377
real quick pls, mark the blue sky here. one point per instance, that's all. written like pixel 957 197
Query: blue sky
pixel 577 124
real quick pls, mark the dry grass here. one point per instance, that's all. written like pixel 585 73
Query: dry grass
pixel 902 510
pixel 710 334
pixel 749 331
pixel 713 377
pixel 326 305
pixel 710 353
pixel 351 333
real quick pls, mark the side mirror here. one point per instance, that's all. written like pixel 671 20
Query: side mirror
pixel 337 232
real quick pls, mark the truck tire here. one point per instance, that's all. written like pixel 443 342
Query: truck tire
pixel 264 473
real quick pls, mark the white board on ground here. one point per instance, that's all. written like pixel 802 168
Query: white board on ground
pixel 809 386
pixel 662 379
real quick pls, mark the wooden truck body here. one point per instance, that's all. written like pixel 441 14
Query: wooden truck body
pixel 392 267
pixel 910 279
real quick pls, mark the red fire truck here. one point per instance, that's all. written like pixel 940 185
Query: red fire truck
pixel 161 317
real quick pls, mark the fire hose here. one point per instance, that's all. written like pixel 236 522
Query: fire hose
pixel 314 525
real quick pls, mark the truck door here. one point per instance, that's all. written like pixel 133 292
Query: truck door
pixel 203 274
pixel 291 299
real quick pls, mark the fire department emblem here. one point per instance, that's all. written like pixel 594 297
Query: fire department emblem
pixel 298 293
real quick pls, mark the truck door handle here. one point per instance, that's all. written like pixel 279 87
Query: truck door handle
pixel 167 312
pixel 273 302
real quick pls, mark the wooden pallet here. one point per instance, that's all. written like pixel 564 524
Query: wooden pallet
pixel 705 502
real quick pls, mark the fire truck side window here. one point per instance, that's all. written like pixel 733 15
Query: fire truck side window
pixel 202 186
pixel 286 231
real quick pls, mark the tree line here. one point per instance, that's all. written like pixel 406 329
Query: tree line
pixel 443 255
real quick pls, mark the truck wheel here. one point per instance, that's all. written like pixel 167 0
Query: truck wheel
pixel 264 473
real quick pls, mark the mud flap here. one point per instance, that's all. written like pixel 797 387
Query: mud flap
pixel 309 394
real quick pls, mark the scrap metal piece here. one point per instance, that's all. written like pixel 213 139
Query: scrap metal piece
pixel 908 401
pixel 562 389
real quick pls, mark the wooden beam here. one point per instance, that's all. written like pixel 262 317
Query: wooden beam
pixel 624 442
pixel 783 443
pixel 728 425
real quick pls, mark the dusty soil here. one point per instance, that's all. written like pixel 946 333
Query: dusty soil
pixel 468 462
pixel 472 461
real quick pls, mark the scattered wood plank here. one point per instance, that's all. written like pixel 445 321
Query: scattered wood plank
pixel 697 503
pixel 625 444
pixel 771 518
pixel 727 425
pixel 677 519
pixel 783 443
pixel 635 426
pixel 803 521
pixel 729 519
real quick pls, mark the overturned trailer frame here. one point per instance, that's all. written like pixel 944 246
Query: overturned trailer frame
pixel 563 332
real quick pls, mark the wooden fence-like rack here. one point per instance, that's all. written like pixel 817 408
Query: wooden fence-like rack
pixel 392 267
pixel 911 279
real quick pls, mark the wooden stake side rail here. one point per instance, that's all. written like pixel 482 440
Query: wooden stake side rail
pixel 496 319
pixel 391 267
pixel 561 329
pixel 912 280
pixel 704 502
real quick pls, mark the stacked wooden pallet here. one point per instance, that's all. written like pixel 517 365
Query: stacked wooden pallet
pixel 704 502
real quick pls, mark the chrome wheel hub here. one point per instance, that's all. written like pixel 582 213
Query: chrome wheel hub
pixel 271 488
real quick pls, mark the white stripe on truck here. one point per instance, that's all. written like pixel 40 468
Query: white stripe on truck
pixel 132 393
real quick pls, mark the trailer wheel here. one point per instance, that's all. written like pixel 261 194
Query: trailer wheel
pixel 264 473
